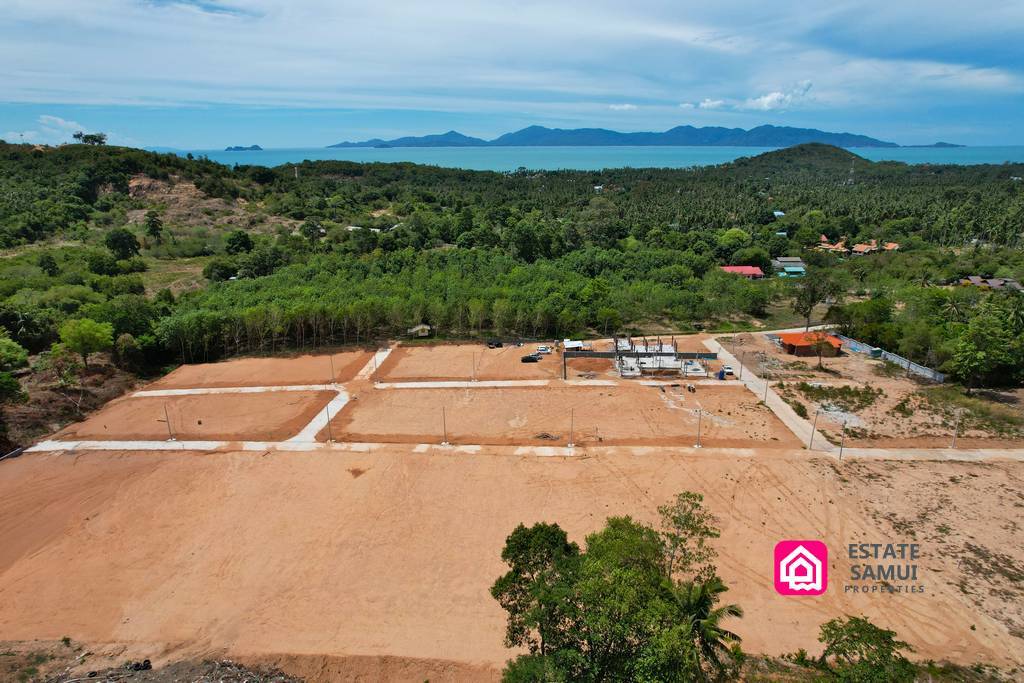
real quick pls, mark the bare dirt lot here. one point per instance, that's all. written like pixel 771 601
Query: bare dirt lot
pixel 267 372
pixel 624 414
pixel 326 562
pixel 884 407
pixel 270 416
pixel 457 362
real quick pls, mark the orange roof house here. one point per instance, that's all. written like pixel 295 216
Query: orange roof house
pixel 838 248
pixel 891 246
pixel 805 343
pixel 861 248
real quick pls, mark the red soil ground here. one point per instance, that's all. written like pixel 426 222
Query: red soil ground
pixel 625 414
pixel 270 416
pixel 456 362
pixel 266 372
pixel 342 564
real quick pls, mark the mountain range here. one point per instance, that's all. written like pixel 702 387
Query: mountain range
pixel 688 136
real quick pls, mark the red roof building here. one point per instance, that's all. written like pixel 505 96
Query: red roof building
pixel 749 272
pixel 805 343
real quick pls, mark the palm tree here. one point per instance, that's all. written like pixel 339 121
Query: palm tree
pixel 698 602
pixel 954 309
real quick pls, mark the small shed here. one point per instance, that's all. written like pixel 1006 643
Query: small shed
pixel 421 330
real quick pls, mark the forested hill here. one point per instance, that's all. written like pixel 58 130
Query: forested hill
pixel 45 192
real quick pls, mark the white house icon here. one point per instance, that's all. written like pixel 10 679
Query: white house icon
pixel 801 570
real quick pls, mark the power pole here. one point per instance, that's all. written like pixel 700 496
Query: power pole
pixel 842 441
pixel 444 427
pixel 700 413
pixel 167 419
pixel 814 426
pixel 572 426
pixel 956 427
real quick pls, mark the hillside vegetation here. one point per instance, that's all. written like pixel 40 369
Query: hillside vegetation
pixel 181 260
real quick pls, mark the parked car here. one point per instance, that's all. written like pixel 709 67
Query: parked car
pixel 532 358
pixel 543 349
pixel 494 344
pixel 727 369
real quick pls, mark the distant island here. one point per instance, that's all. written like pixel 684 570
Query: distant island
pixel 680 136
pixel 250 148
pixel 940 145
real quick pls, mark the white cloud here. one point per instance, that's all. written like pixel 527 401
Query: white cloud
pixel 54 130
pixel 547 61
pixel 50 130
pixel 778 99
pixel 20 136
pixel 56 127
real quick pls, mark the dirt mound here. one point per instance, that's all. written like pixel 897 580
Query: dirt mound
pixel 180 202
pixel 317 669
pixel 51 405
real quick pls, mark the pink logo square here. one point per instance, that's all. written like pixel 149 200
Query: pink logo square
pixel 801 567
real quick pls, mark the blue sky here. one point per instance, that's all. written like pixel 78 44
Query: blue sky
pixel 199 74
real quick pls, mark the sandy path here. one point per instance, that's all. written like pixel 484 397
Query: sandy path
pixel 761 388
pixel 391 553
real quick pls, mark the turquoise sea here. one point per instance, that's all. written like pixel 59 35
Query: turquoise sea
pixel 594 158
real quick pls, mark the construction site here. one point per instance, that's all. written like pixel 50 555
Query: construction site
pixel 341 515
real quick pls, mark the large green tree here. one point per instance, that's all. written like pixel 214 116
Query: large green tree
pixel 122 243
pixel 984 345
pixel 816 287
pixel 857 651
pixel 84 337
pixel 615 612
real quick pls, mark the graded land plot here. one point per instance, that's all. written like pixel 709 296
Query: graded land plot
pixel 612 415
pixel 380 563
pixel 267 416
pixel 457 362
pixel 267 372
pixel 881 404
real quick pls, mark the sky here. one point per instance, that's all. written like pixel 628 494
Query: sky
pixel 203 74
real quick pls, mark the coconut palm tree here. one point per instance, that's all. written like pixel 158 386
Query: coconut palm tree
pixel 954 309
pixel 698 602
